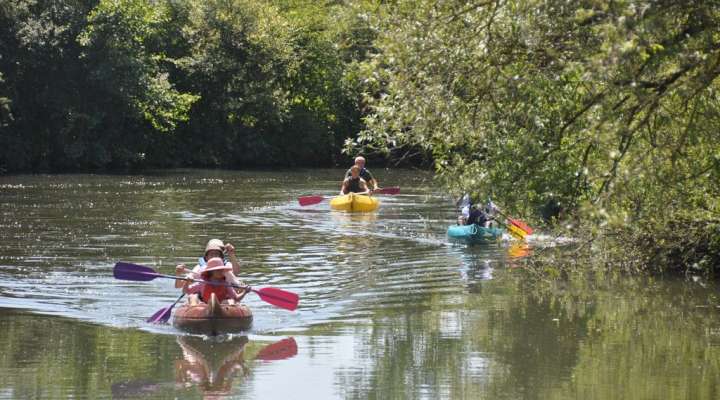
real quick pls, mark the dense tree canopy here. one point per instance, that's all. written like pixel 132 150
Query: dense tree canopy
pixel 607 110
pixel 97 84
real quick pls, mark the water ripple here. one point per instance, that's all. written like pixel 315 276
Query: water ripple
pixel 61 236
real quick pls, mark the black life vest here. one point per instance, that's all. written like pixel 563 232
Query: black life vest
pixel 353 185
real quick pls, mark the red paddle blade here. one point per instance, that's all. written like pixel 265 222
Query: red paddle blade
pixel 134 272
pixel 390 190
pixel 278 297
pixel 309 200
pixel 281 350
pixel 522 225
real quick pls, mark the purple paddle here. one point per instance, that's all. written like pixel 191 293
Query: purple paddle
pixel 140 273
pixel 163 315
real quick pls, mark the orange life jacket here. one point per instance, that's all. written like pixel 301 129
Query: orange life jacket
pixel 221 292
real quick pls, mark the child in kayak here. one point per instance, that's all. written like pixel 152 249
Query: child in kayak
pixel 214 248
pixel 354 183
pixel 216 271
pixel 369 179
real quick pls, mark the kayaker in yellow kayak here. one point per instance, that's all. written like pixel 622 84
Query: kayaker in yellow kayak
pixel 370 180
pixel 354 183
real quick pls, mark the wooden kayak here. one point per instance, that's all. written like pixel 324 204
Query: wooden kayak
pixel 354 203
pixel 474 233
pixel 213 318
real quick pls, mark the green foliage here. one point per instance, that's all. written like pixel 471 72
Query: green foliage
pixel 604 108
pixel 116 84
pixel 119 46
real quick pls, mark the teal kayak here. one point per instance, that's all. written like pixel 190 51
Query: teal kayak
pixel 474 233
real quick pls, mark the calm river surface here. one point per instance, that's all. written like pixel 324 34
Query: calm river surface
pixel 389 309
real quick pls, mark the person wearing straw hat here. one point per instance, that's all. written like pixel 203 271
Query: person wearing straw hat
pixel 218 272
pixel 213 248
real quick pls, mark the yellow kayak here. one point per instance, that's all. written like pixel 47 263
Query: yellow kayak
pixel 355 202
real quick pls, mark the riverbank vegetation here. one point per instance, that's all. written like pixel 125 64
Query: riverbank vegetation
pixel 100 84
pixel 600 118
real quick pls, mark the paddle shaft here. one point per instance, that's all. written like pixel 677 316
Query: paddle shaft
pixel 178 300
pixel 247 288
pixel 274 296
pixel 179 278
pixel 315 199
pixel 200 281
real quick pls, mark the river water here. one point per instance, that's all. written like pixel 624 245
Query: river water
pixel 389 309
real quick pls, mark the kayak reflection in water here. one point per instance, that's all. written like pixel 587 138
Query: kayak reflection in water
pixel 213 365
pixel 210 365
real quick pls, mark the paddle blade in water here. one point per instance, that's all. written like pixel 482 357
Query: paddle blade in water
pixel 162 316
pixel 309 200
pixel 281 350
pixel 278 297
pixel 390 190
pixel 134 272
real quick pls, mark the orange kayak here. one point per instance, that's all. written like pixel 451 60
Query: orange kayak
pixel 213 318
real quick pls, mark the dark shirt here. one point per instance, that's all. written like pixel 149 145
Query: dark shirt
pixel 364 173
pixel 353 185
pixel 477 216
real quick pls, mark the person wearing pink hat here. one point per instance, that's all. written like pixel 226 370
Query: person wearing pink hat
pixel 214 248
pixel 216 271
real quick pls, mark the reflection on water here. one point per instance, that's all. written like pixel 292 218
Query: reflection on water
pixel 388 308
pixel 209 365
pixel 216 366
pixel 519 249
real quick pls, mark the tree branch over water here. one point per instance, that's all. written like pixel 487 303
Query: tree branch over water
pixel 560 97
